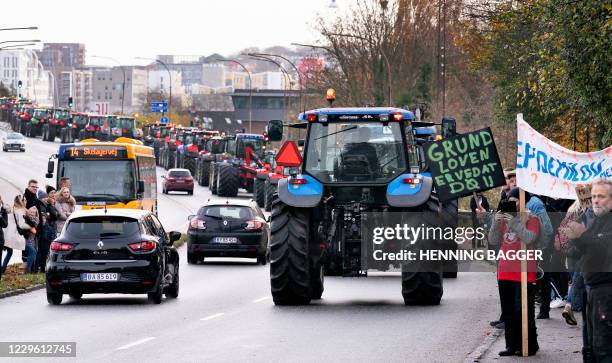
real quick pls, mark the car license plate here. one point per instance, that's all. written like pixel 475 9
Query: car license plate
pixel 226 240
pixel 100 277
pixel 180 181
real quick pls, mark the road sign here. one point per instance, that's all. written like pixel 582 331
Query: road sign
pixel 163 120
pixel 159 107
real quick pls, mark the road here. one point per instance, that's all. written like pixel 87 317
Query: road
pixel 225 312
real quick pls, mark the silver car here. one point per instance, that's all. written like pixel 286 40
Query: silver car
pixel 13 141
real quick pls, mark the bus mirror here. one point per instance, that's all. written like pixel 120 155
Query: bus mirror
pixel 449 127
pixel 275 130
pixel 50 167
pixel 141 187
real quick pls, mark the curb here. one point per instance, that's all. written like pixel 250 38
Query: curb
pixel 21 291
pixel 483 348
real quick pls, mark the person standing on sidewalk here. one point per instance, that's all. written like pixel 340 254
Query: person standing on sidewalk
pixel 510 231
pixel 595 244
pixel 3 225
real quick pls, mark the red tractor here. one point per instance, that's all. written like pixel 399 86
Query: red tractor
pixel 58 121
pixel 245 155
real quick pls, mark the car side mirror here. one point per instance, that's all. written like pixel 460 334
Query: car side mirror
pixel 174 236
pixel 275 130
pixel 141 187
pixel 190 217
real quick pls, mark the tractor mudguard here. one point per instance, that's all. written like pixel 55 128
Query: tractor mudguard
pixel 300 195
pixel 409 195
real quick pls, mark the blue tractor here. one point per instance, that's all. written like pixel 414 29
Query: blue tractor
pixel 355 161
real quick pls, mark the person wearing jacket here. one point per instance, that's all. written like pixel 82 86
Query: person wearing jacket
pixel 510 232
pixel 49 228
pixel 22 229
pixel 595 245
pixel 3 224
pixel 65 206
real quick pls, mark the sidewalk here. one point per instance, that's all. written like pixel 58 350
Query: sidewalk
pixel 559 342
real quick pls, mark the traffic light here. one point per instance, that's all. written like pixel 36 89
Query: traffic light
pixel 19 84
pixel 69 102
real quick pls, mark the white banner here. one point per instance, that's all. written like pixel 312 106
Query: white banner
pixel 547 168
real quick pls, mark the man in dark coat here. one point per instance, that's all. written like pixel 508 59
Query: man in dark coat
pixel 595 245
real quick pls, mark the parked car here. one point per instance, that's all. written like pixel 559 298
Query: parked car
pixel 177 180
pixel 13 141
pixel 237 229
pixel 123 251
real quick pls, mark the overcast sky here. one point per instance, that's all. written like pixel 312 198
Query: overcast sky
pixel 125 29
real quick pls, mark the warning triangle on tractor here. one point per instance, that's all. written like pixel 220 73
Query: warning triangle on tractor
pixel 289 155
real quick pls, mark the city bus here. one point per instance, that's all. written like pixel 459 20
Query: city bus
pixel 119 174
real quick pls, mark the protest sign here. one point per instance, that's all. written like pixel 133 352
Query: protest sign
pixel 546 168
pixel 464 164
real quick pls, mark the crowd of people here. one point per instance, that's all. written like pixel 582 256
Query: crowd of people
pixel 33 222
pixel 575 272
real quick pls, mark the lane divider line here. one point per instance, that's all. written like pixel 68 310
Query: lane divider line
pixel 138 342
pixel 261 299
pixel 214 316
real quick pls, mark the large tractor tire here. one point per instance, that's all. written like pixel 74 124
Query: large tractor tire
pixel 212 180
pixel 449 215
pixel 259 191
pixel 270 189
pixel 45 133
pixel 28 129
pixel 63 137
pixel 205 173
pixel 171 164
pixel 290 279
pixel 228 181
pixel 422 288
pixel 190 164
pixel 52 132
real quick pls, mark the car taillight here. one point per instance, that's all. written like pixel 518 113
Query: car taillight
pixel 143 246
pixel 59 246
pixel 189 179
pixel 197 223
pixel 254 225
pixel 171 179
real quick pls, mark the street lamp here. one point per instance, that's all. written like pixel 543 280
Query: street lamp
pixel 294 67
pixel 21 41
pixel 26 28
pixel 250 87
pixel 169 79
pixel 283 70
pixel 123 69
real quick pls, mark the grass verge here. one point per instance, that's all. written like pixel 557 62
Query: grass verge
pixel 15 279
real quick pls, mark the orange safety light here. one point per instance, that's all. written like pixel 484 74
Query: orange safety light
pixel 288 155
pixel 331 95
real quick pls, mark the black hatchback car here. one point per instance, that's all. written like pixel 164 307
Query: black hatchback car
pixel 122 251
pixel 237 229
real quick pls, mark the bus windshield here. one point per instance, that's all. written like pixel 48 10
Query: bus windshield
pixel 100 180
pixel 355 152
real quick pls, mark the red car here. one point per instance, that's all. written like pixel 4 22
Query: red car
pixel 178 180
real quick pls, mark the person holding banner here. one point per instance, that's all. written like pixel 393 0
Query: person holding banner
pixel 595 244
pixel 508 230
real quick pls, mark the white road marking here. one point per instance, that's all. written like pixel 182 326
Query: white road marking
pixel 261 299
pixel 214 316
pixel 141 341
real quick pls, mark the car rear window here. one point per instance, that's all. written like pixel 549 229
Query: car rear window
pixel 95 227
pixel 14 136
pixel 180 173
pixel 227 211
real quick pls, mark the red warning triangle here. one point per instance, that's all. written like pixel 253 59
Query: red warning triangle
pixel 289 155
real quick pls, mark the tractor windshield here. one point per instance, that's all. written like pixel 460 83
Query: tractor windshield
pixel 256 144
pixel 355 152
